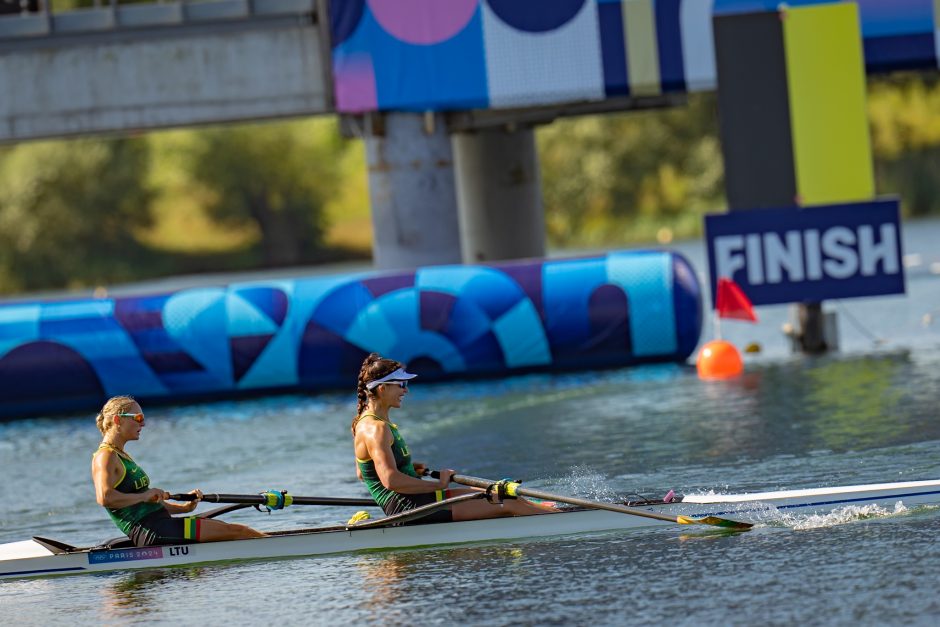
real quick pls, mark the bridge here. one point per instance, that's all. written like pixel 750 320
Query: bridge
pixel 147 66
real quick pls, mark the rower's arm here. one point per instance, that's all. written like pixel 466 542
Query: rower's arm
pixel 106 471
pixel 378 439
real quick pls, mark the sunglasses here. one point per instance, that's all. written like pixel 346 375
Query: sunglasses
pixel 402 384
pixel 137 417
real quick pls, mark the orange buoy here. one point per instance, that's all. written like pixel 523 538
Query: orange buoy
pixel 719 359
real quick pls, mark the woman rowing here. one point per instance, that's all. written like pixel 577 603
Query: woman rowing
pixel 123 488
pixel 383 460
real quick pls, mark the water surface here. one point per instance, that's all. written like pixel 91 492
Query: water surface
pixel 865 414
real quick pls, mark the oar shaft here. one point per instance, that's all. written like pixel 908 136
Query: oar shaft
pixel 260 499
pixel 476 482
pixel 414 514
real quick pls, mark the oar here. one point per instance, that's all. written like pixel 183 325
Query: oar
pixel 413 514
pixel 514 489
pixel 225 509
pixel 264 499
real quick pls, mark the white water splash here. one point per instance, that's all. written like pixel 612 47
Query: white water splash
pixel 772 517
pixel 850 513
pixel 587 483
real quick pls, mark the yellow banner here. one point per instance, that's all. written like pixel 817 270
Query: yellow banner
pixel 826 81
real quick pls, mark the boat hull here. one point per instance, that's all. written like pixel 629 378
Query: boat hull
pixel 32 559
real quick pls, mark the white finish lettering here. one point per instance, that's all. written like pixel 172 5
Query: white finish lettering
pixel 886 252
pixel 838 252
pixel 837 244
pixel 779 256
pixel 728 259
pixel 813 255
pixel 755 261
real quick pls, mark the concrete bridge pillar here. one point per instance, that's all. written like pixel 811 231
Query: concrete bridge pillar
pixel 411 189
pixel 499 195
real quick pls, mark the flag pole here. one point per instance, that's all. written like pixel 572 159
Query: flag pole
pixel 716 310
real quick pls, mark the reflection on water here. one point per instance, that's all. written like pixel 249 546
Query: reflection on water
pixel 384 575
pixel 389 578
pixel 137 593
pixel 858 403
pixel 631 428
pixel 706 534
pixel 834 403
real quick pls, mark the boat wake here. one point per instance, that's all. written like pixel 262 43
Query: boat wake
pixel 766 515
pixel 839 516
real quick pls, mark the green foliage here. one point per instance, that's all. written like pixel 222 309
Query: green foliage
pixel 604 175
pixel 274 177
pixel 626 177
pixel 69 210
pixel 79 213
pixel 904 111
pixel 88 212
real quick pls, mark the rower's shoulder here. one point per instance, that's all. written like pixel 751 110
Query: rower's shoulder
pixel 371 426
pixel 103 451
pixel 104 460
pixel 371 420
pixel 106 455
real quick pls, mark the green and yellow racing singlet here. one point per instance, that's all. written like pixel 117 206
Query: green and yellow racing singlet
pixel 134 481
pixel 402 455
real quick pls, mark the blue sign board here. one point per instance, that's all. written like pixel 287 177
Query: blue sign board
pixel 808 254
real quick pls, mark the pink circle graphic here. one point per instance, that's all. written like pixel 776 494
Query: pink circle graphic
pixel 423 22
pixel 354 83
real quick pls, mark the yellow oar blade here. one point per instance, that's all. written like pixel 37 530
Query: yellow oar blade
pixel 714 521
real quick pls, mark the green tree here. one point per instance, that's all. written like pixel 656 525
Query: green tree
pixel 69 211
pixel 619 177
pixel 904 113
pixel 276 177
pixel 607 177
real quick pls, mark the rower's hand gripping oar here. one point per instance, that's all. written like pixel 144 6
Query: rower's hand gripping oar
pixel 512 489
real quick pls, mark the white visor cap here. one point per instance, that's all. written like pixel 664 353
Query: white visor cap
pixel 398 375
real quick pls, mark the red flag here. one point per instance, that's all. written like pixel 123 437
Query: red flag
pixel 732 302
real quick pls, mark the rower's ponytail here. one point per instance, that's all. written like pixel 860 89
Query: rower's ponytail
pixel 373 367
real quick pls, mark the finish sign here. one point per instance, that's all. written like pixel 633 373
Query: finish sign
pixel 808 254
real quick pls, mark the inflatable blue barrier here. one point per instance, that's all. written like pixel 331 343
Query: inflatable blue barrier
pixel 311 334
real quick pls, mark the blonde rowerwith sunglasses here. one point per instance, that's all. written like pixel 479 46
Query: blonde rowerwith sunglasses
pixel 123 488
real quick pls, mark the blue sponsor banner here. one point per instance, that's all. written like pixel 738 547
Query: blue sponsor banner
pixel 808 254
pixel 126 555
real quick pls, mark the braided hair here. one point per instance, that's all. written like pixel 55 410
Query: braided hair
pixel 114 406
pixel 374 367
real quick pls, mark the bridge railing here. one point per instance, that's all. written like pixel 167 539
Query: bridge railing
pixel 38 18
